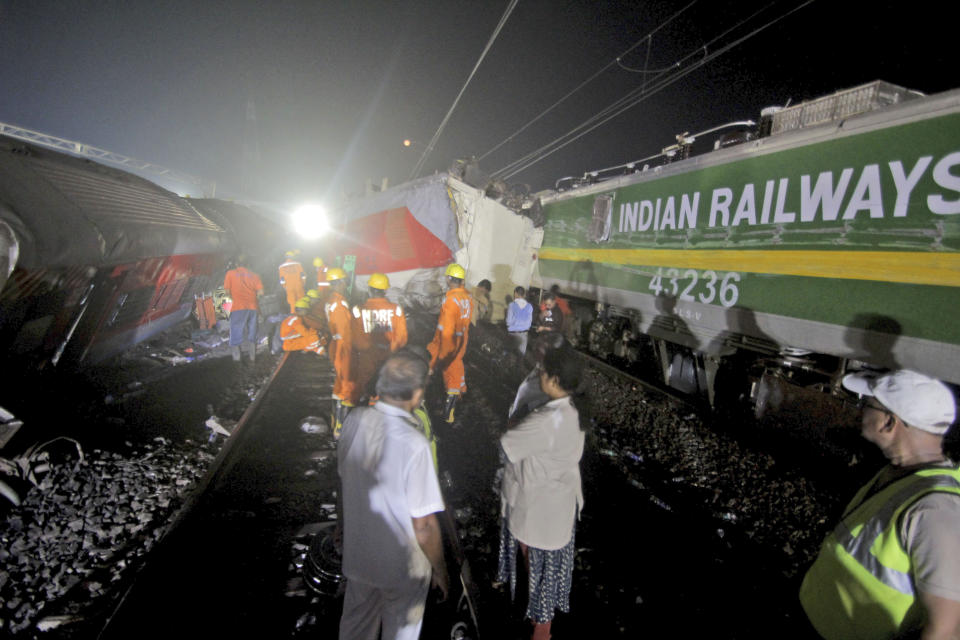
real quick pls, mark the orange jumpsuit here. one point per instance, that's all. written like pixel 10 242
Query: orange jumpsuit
pixel 291 279
pixel 297 336
pixel 339 320
pixel 450 339
pixel 379 329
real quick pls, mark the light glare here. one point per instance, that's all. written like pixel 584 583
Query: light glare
pixel 310 221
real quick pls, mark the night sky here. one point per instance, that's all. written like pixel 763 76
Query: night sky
pixel 337 86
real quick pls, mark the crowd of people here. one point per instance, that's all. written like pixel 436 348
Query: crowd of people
pixel 890 569
pixel 390 501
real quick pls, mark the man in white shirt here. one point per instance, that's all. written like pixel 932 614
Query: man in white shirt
pixel 390 497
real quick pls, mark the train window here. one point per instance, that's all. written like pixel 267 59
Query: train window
pixel 599 230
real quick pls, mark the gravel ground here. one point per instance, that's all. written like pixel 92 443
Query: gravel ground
pixel 692 524
pixel 129 442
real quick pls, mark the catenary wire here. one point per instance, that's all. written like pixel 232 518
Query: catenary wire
pixel 446 118
pixel 640 91
pixel 589 80
pixel 630 100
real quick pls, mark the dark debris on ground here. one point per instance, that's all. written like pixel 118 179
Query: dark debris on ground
pixel 114 453
pixel 688 522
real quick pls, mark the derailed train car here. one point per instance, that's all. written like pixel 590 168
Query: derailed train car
pixel 828 240
pixel 412 231
pixel 97 259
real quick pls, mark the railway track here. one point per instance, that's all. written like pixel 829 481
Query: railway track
pixel 655 478
pixel 693 402
pixel 231 564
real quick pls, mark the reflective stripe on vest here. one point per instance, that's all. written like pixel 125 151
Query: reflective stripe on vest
pixel 859 545
pixel 861 585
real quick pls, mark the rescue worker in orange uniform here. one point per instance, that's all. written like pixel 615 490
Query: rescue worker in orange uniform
pixel 316 318
pixel 292 279
pixel 339 322
pixel 321 272
pixel 296 335
pixel 379 329
pixel 450 339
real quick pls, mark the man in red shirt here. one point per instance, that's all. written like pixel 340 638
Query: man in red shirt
pixel 450 339
pixel 244 288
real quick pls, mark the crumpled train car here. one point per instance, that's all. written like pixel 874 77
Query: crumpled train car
pixel 97 259
pixel 412 231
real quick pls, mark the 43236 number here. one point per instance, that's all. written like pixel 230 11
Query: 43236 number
pixel 693 285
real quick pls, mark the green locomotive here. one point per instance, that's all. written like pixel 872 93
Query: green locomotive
pixel 828 239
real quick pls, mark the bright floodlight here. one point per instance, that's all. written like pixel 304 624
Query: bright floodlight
pixel 310 221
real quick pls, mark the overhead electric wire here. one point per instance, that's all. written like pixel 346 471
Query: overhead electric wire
pixel 633 98
pixel 632 95
pixel 580 86
pixel 436 136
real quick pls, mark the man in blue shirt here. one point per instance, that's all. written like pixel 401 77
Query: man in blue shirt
pixel 519 319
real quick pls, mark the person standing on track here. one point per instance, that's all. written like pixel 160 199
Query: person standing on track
pixel 390 498
pixel 244 288
pixel 292 279
pixel 519 319
pixel 379 329
pixel 891 568
pixel 450 338
pixel 482 308
pixel 541 495
pixel 315 317
pixel 321 272
pixel 551 317
pixel 339 323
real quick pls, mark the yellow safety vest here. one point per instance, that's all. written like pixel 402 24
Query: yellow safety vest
pixel 861 585
pixel 426 428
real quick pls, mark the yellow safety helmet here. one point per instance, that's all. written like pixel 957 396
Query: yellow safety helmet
pixel 378 281
pixel 318 262
pixel 336 273
pixel 455 271
pixel 313 293
pixel 302 303
pixel 292 253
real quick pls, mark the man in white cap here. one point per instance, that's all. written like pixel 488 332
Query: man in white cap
pixel 891 568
